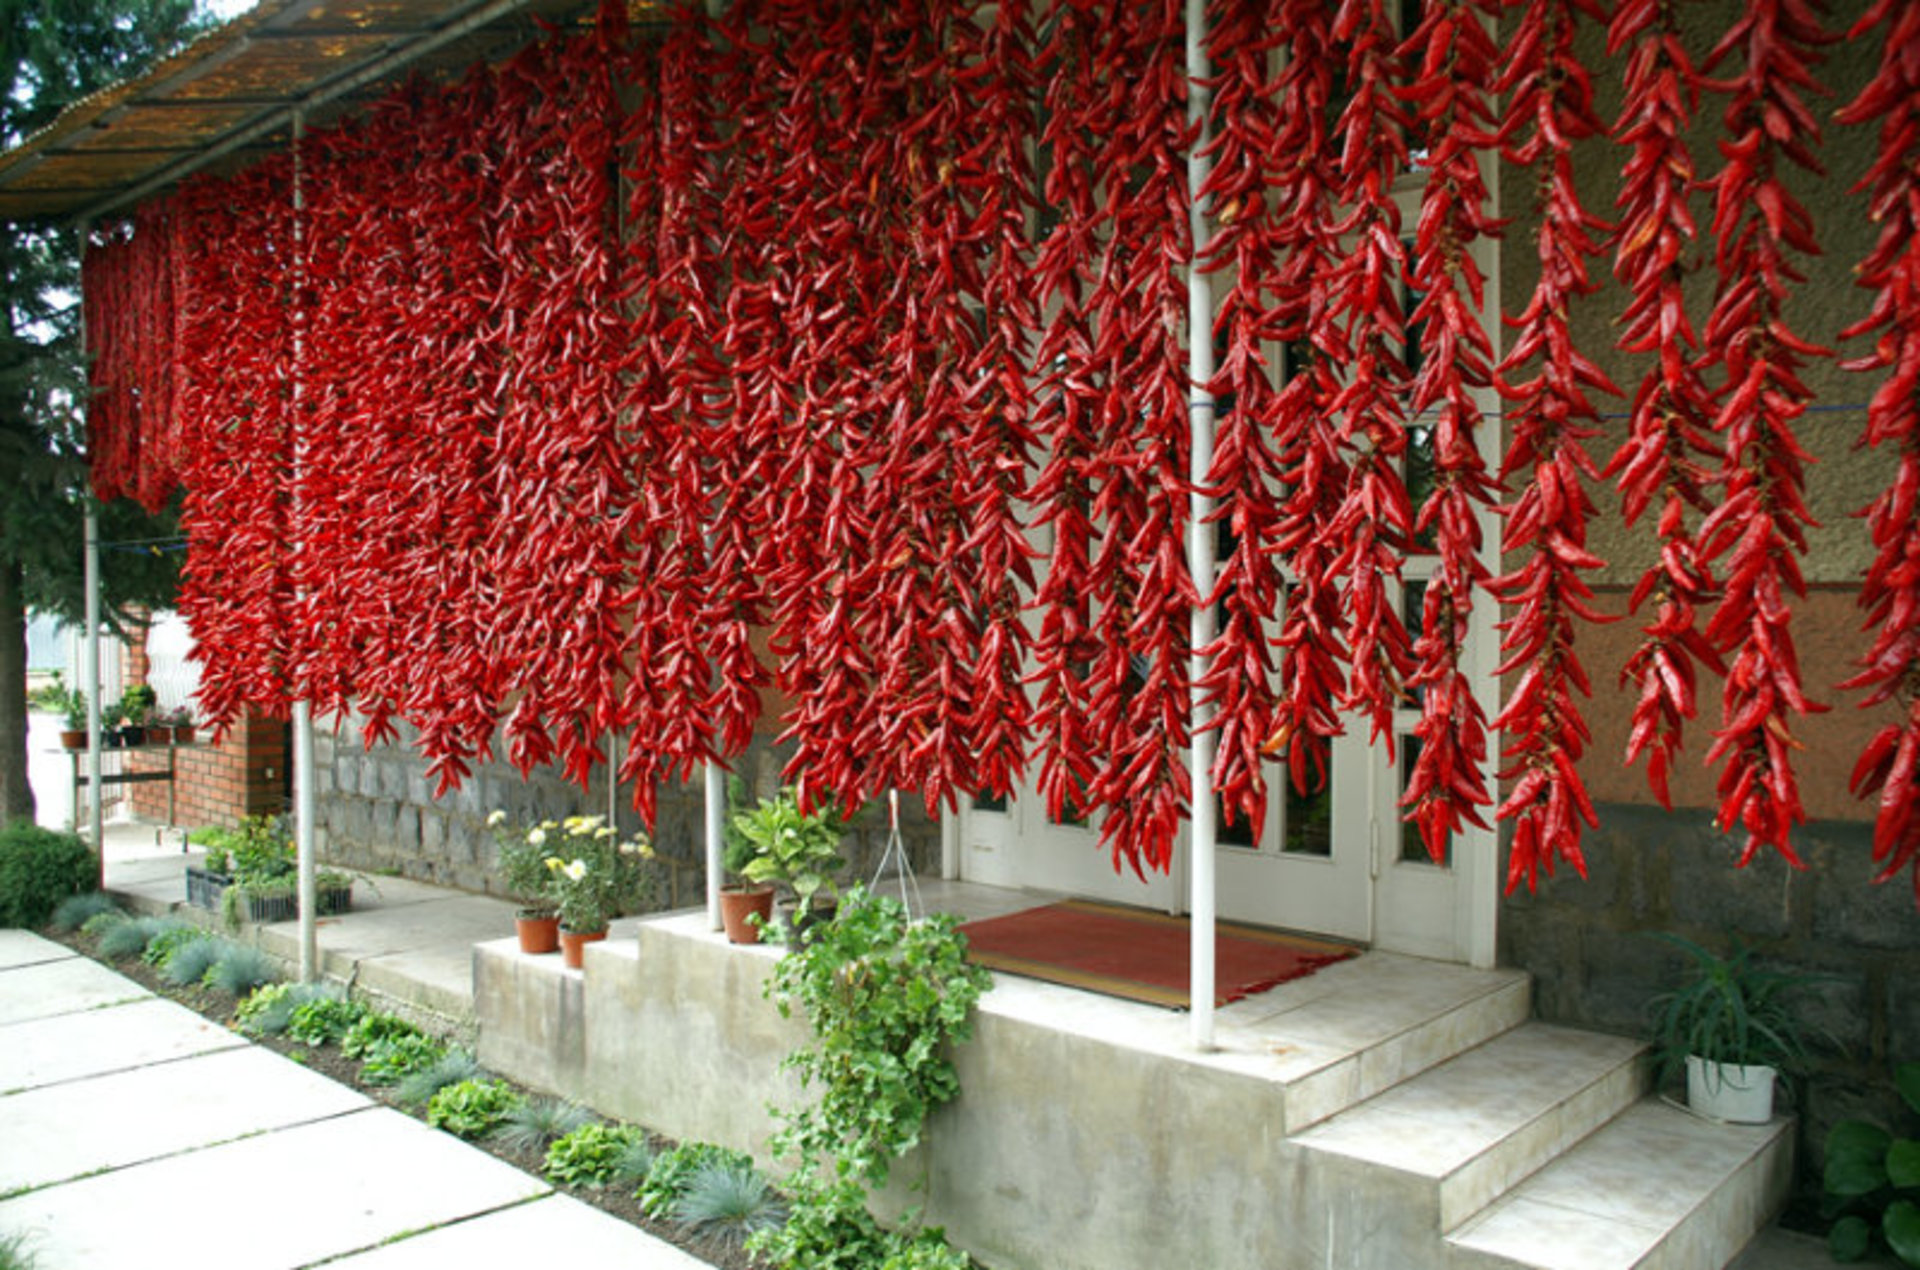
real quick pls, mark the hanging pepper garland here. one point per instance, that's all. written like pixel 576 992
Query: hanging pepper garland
pixel 236 442
pixel 1759 526
pixel 556 557
pixel 1891 592
pixel 1281 468
pixel 1372 530
pixel 1453 61
pixel 1111 657
pixel 1549 110
pixel 1669 452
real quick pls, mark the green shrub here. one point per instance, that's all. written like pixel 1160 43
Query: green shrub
pixel 38 869
pixel 372 1031
pixel 241 969
pixel 590 1155
pixel 167 938
pixel 1873 1184
pixel 120 940
pixel 418 1086
pixel 729 1204
pixel 74 912
pixel 189 962
pixel 471 1108
pixel 100 923
pixel 534 1123
pixel 673 1171
pixel 392 1059
pixel 324 1020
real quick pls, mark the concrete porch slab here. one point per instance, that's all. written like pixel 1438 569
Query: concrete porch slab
pixel 534 1233
pixel 24 948
pixel 66 986
pixel 94 1042
pixel 341 1185
pixel 64 1131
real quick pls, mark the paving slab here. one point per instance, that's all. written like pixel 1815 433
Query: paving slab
pixel 115 1038
pixel 60 1132
pixel 542 1231
pixel 275 1201
pixel 24 948
pixel 66 986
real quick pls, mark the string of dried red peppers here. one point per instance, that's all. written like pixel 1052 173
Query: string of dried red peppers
pixel 1112 654
pixel 1891 592
pixel 1453 62
pixel 1549 109
pixel 1373 527
pixel 1759 527
pixel 1669 452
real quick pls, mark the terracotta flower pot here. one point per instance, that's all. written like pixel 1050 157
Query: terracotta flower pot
pixel 739 903
pixel 573 944
pixel 75 739
pixel 539 932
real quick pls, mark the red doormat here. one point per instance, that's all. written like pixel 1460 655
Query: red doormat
pixel 1141 956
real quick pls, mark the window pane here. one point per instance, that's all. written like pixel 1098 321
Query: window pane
pixel 1413 849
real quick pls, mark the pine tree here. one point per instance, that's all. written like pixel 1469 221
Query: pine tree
pixel 52 53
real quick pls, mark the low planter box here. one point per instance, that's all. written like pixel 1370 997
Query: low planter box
pixel 272 908
pixel 330 901
pixel 204 889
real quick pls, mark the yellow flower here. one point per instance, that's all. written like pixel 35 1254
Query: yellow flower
pixel 604 832
pixel 581 826
pixel 554 864
pixel 496 818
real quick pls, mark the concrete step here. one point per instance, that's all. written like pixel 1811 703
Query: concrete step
pixel 1464 1132
pixel 1357 1029
pixel 1656 1189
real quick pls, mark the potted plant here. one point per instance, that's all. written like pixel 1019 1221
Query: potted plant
pixel 73 720
pixel 524 876
pixel 795 849
pixel 182 722
pixel 742 900
pixel 1733 1027
pixel 595 878
pixel 260 856
pixel 135 706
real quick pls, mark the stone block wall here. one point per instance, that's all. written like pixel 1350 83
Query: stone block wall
pixel 1595 965
pixel 376 810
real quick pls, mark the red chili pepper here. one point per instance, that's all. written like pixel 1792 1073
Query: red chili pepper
pixel 1549 110
pixel 1890 670
pixel 1456 65
pixel 1760 523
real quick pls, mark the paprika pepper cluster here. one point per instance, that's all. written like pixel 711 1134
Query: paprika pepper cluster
pixel 1758 528
pixel 1669 454
pixel 596 392
pixel 1891 592
pixel 1452 63
pixel 1550 416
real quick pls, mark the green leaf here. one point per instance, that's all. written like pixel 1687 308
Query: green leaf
pixel 1902 1227
pixel 1849 1239
pixel 1906 1078
pixel 1856 1158
pixel 1903 1162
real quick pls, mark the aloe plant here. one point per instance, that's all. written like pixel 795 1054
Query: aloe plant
pixel 1730 1011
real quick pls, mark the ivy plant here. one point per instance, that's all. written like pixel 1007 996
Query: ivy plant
pixel 1873 1184
pixel 885 997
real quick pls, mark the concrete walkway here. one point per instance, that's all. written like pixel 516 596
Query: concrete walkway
pixel 134 1132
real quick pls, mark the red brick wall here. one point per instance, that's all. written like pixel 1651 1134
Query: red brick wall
pixel 245 775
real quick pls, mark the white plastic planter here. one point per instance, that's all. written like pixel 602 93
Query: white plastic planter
pixel 1729 1091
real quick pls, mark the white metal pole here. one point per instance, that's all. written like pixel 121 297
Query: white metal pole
pixel 1200 543
pixel 93 684
pixel 716 836
pixel 302 708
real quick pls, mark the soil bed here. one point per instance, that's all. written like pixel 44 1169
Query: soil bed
pixel 331 1063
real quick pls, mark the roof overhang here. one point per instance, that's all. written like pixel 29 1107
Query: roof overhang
pixel 230 96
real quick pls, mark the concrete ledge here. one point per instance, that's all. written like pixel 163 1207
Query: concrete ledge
pixel 532 1019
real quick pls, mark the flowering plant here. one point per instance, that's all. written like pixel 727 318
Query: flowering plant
pixel 523 863
pixel 592 875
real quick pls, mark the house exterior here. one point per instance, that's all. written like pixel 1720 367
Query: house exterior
pixel 703 430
